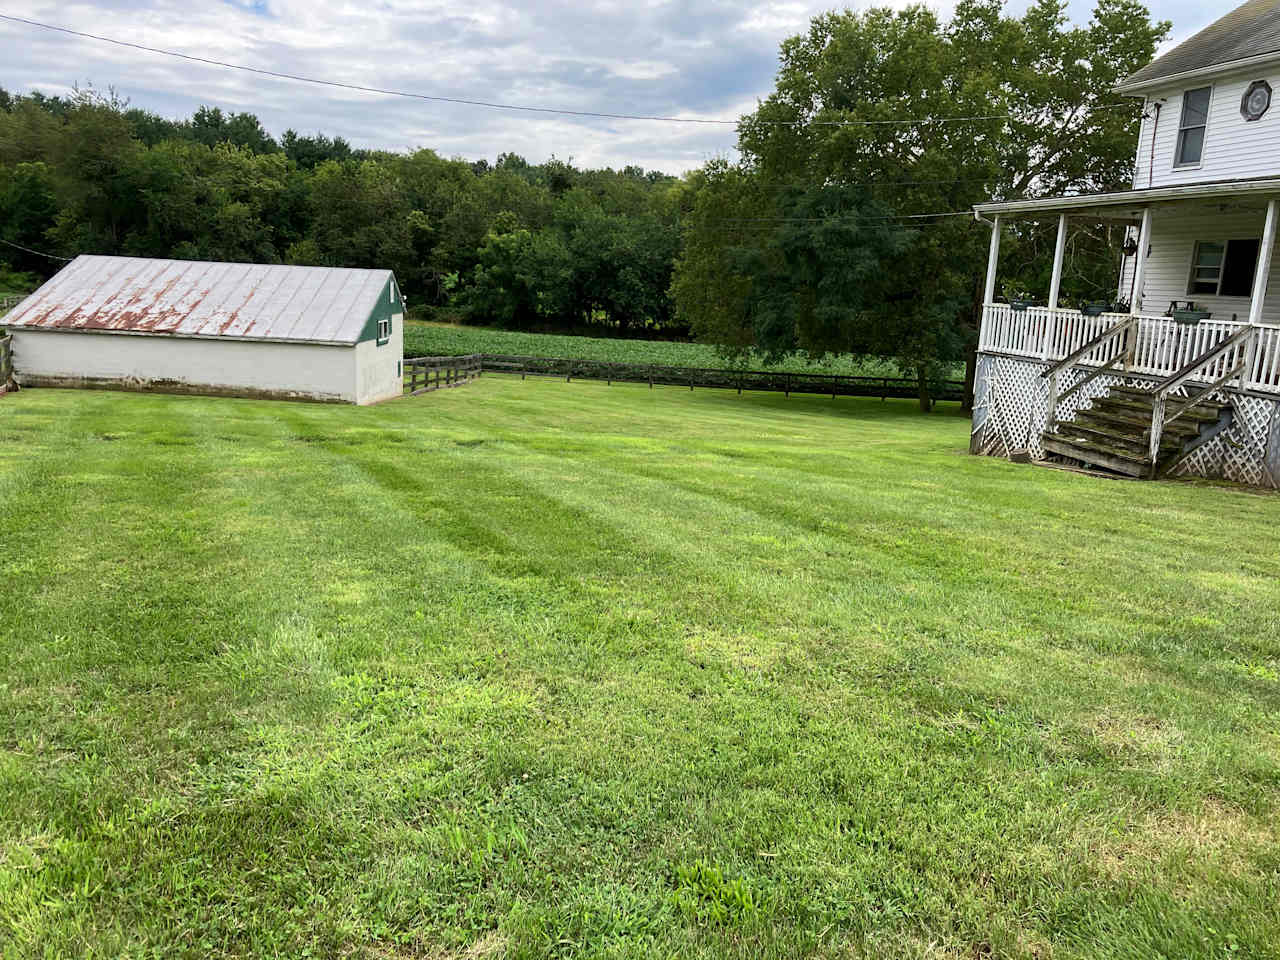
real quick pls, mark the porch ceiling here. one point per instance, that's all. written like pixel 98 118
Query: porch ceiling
pixel 1128 204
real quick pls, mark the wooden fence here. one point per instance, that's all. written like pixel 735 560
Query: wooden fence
pixel 433 373
pixel 832 385
pixel 8 303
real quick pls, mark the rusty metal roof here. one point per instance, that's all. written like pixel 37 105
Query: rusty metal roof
pixel 188 298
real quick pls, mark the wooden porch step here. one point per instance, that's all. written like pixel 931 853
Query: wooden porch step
pixel 1133 424
pixel 1206 413
pixel 1098 454
pixel 1120 390
pixel 1121 439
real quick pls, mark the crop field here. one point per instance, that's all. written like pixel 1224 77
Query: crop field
pixel 439 339
pixel 529 669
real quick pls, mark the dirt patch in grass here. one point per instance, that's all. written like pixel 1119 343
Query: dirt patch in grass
pixel 1215 838
pixel 1137 739
pixel 490 946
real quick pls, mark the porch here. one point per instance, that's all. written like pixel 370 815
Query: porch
pixel 1162 346
pixel 1190 389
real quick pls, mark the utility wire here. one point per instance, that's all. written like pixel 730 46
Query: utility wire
pixel 38 253
pixel 502 106
pixel 838 218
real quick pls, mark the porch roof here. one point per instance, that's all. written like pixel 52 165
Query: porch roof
pixel 1128 204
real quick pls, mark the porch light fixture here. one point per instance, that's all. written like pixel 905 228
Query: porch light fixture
pixel 1256 100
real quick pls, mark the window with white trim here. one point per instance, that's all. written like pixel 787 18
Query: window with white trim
pixel 1224 268
pixel 1193 122
pixel 384 330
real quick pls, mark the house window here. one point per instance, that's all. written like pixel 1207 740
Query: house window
pixel 384 330
pixel 1192 125
pixel 1224 268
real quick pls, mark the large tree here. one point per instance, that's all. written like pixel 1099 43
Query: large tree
pixel 922 118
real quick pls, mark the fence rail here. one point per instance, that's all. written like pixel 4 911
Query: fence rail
pixel 421 374
pixel 8 303
pixel 761 380
pixel 1162 345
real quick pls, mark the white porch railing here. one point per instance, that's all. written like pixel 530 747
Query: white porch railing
pixel 1164 346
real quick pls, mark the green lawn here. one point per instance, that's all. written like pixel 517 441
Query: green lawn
pixel 439 339
pixel 530 669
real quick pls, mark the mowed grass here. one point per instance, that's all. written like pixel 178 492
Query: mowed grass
pixel 534 669
pixel 441 339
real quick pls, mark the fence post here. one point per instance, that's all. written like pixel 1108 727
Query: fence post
pixel 788 386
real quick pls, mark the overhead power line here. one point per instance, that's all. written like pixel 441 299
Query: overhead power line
pixel 494 105
pixel 839 219
pixel 38 253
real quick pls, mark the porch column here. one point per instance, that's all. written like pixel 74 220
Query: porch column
pixel 993 258
pixel 1140 262
pixel 1258 297
pixel 1059 252
pixel 1263 269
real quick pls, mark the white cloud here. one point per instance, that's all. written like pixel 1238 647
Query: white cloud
pixel 712 59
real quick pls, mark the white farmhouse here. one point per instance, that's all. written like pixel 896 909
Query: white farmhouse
pixel 230 329
pixel 1181 375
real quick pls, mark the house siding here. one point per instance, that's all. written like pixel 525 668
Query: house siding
pixel 1234 148
pixel 1173 238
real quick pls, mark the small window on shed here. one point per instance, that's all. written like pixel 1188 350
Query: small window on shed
pixel 1192 123
pixel 1224 269
pixel 384 330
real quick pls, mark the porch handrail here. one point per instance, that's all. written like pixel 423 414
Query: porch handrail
pixel 1074 357
pixel 1174 381
pixel 1054 372
pixel 1242 369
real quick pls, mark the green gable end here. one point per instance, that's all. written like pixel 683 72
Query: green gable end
pixel 389 304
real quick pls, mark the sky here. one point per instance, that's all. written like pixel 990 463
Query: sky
pixel 711 59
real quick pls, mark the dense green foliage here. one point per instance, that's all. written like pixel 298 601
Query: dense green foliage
pixel 821 237
pixel 440 340
pixel 525 670
pixel 511 243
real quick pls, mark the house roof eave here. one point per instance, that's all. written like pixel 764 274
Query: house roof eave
pixel 1132 198
pixel 1141 87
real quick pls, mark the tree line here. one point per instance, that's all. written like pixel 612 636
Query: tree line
pixel 835 231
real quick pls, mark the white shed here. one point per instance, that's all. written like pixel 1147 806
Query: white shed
pixel 229 329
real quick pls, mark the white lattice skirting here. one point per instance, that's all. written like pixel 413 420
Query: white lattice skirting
pixel 1010 406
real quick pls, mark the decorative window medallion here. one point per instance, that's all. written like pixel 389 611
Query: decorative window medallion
pixel 1256 100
